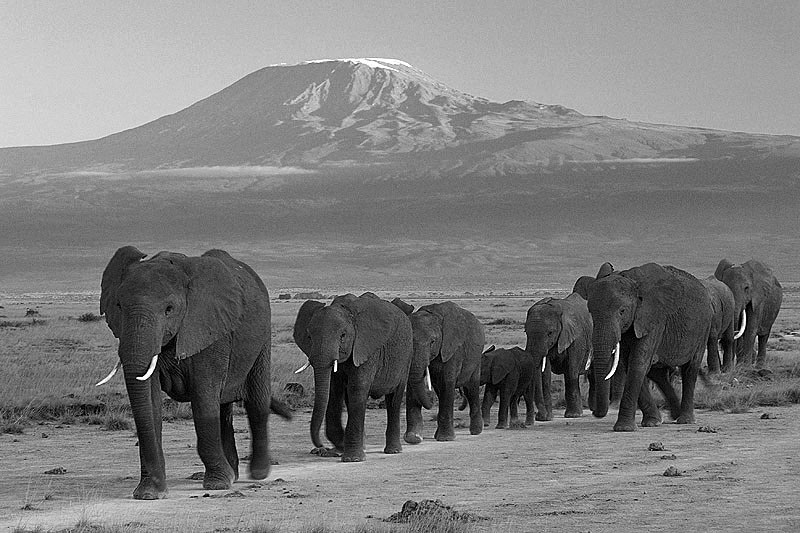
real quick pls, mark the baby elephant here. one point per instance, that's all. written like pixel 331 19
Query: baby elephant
pixel 508 372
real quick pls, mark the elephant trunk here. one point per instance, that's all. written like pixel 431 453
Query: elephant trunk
pixel 322 387
pixel 605 344
pixel 137 347
pixel 417 381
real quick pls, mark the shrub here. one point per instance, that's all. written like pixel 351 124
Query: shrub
pixel 89 317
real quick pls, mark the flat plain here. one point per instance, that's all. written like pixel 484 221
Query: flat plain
pixel 738 466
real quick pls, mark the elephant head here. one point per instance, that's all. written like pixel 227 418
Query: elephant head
pixel 172 306
pixel 637 302
pixel 548 326
pixel 347 331
pixel 439 329
pixel 582 284
pixel 747 294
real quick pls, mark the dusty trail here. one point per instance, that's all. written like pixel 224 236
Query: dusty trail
pixel 563 475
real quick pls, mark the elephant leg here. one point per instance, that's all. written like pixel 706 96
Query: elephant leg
pixel 488 402
pixel 637 367
pixel 256 405
pixel 572 393
pixel 661 377
pixel 219 474
pixel 727 351
pixel 712 357
pixel 357 396
pixel 651 415
pixel 592 389
pixel 228 440
pixel 413 433
pixel 334 429
pixel 515 423
pixel 744 353
pixel 394 403
pixel 689 373
pixel 445 391
pixel 473 392
pixel 761 357
pixel 545 404
pixel 530 410
pixel 502 413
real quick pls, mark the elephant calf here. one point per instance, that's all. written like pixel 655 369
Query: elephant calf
pixel 508 372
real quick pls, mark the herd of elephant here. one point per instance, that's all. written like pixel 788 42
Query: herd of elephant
pixel 199 329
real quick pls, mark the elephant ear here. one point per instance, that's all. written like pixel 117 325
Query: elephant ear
pixel 374 322
pixel 569 330
pixel 605 269
pixel 501 367
pixel 214 304
pixel 721 268
pixel 112 277
pixel 454 329
pixel 661 294
pixel 304 315
pixel 405 307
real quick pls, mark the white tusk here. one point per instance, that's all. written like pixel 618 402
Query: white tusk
pixel 744 323
pixel 544 362
pixel 335 365
pixel 308 363
pixel 150 370
pixel 616 362
pixel 109 376
pixel 589 361
pixel 428 379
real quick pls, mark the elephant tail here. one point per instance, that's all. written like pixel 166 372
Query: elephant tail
pixel 280 408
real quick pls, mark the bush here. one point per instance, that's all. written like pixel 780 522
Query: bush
pixel 89 317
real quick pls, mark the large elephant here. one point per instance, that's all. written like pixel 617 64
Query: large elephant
pixel 451 339
pixel 359 346
pixel 757 296
pixel 582 283
pixel 197 328
pixel 509 373
pixel 722 332
pixel 559 333
pixel 652 318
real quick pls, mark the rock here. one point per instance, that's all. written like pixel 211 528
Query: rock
pixel 656 447
pixel 671 472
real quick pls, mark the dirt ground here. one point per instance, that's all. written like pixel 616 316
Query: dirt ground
pixel 566 475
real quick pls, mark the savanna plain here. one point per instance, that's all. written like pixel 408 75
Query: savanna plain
pixel 69 456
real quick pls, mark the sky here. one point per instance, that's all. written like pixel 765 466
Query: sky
pixel 83 69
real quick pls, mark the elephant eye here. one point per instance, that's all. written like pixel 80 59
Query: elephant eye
pixel 622 311
pixel 168 310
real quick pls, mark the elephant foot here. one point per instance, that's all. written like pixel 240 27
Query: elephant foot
pixel 573 413
pixel 622 426
pixel 529 420
pixel 485 423
pixel 476 429
pixel 501 425
pixel 412 437
pixel 354 457
pixel 543 417
pixel 445 436
pixel 258 472
pixel 326 452
pixel 651 422
pixel 685 419
pixel 517 425
pixel 394 448
pixel 149 490
pixel 217 481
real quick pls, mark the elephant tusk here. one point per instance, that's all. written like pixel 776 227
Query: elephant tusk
pixel 335 365
pixel 544 362
pixel 308 363
pixel 150 370
pixel 428 379
pixel 588 361
pixel 744 323
pixel 616 362
pixel 109 376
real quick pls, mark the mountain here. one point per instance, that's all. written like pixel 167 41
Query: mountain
pixel 338 171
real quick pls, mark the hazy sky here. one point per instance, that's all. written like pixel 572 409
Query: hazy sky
pixel 83 69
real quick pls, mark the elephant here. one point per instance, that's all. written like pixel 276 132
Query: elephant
pixel 722 324
pixel 197 328
pixel 359 346
pixel 757 295
pixel 509 373
pixel 559 333
pixel 582 284
pixel 451 340
pixel 652 318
